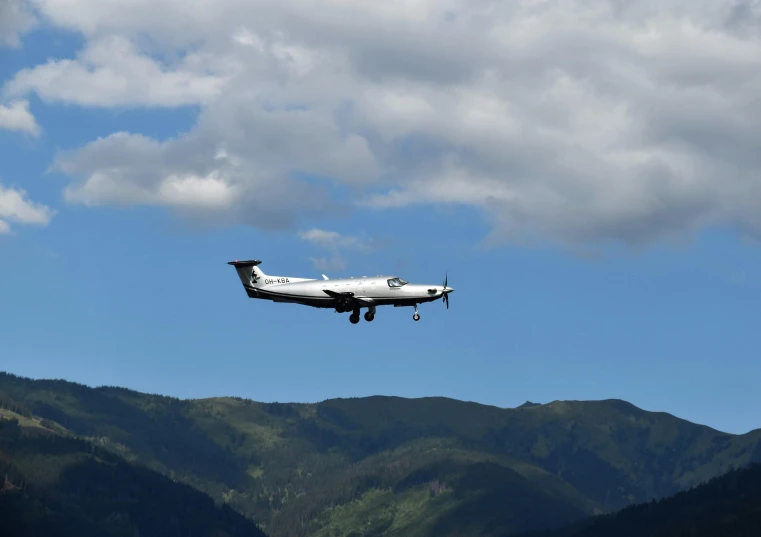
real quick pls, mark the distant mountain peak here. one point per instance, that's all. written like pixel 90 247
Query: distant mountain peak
pixel 529 404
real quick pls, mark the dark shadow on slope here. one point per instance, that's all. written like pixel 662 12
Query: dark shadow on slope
pixel 729 505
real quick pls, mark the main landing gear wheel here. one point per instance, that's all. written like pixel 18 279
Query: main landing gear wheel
pixel 369 316
pixel 354 318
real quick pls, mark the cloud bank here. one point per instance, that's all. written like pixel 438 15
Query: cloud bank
pixel 566 120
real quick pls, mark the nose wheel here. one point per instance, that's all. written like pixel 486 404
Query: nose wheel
pixel 416 315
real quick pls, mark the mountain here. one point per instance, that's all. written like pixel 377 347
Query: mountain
pixel 725 505
pixel 392 466
pixel 53 484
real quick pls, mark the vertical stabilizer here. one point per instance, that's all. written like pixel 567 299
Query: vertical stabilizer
pixel 249 273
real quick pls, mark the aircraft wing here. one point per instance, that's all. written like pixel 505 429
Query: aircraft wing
pixel 339 296
pixel 349 297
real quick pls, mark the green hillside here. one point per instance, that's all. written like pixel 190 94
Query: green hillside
pixel 52 484
pixel 724 506
pixel 393 466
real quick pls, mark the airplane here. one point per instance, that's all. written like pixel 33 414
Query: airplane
pixel 342 294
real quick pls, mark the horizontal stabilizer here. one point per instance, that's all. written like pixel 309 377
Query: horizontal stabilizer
pixel 251 263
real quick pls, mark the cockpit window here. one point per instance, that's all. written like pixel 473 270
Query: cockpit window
pixel 396 282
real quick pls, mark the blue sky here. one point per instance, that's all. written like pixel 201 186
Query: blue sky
pixel 595 253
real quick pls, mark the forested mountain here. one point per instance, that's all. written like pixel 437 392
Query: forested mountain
pixel 726 505
pixel 392 466
pixel 54 485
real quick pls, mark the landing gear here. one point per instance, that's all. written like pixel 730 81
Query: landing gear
pixel 416 315
pixel 369 315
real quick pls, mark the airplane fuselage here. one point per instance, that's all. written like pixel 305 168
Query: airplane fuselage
pixel 373 291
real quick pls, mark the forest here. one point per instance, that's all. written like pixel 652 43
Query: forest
pixel 55 485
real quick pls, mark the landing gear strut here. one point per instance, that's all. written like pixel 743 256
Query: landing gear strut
pixel 416 315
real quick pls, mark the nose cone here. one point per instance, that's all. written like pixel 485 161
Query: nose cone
pixel 447 290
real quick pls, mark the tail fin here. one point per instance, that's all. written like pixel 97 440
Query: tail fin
pixel 249 273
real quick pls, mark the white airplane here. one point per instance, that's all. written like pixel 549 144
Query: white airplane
pixel 344 294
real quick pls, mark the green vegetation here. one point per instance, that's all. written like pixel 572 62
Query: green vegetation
pixel 391 466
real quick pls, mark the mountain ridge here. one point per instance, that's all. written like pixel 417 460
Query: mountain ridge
pixel 308 469
pixel 524 406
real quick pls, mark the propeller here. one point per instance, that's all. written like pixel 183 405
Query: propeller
pixel 446 293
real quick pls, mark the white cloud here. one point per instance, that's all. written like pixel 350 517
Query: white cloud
pixel 333 239
pixel 16 117
pixel 111 72
pixel 190 175
pixel 16 207
pixel 15 19
pixel 337 245
pixel 571 120
pixel 337 262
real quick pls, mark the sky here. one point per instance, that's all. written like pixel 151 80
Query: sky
pixel 586 173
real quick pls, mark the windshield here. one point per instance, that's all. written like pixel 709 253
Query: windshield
pixel 396 282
